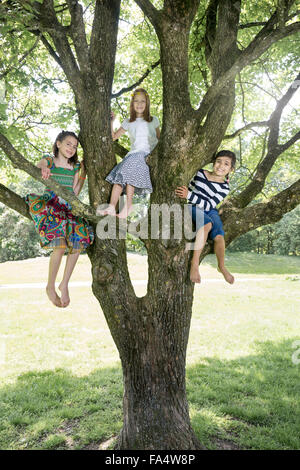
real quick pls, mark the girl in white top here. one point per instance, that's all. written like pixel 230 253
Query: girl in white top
pixel 133 173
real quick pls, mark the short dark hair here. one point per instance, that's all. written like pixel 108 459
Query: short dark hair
pixel 225 153
pixel 61 136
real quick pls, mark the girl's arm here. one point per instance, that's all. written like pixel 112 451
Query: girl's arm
pixel 115 134
pixel 43 165
pixel 79 179
pixel 157 132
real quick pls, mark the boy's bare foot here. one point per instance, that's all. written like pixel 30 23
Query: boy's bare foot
pixel 195 274
pixel 52 295
pixel 65 298
pixel 110 210
pixel 227 276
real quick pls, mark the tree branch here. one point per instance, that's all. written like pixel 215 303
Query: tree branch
pixel 248 126
pixel 48 22
pixel 18 161
pixel 274 150
pixel 120 150
pixel 131 87
pixel 150 11
pixel 78 34
pixel 20 61
pixel 240 221
pixel 14 201
pixel 255 49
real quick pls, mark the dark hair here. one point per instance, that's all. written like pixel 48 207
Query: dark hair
pixel 146 114
pixel 225 153
pixel 61 136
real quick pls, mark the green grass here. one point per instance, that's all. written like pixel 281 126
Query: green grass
pixel 252 263
pixel 61 380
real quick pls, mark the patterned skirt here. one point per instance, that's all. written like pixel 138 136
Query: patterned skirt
pixel 56 225
pixel 132 170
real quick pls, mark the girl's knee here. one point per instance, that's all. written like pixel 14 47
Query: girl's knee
pixel 218 238
pixel 60 251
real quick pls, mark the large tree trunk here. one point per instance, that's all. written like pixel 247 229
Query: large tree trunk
pixel 151 334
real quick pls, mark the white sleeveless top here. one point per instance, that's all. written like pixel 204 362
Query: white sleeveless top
pixel 142 134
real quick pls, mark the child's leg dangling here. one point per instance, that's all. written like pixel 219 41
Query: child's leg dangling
pixel 128 204
pixel 200 241
pixel 219 247
pixel 64 285
pixel 54 264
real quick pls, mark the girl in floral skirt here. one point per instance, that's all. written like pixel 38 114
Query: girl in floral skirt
pixel 57 227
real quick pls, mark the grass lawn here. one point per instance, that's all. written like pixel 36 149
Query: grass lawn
pixel 61 380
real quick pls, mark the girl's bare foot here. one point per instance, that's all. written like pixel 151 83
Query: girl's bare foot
pixel 52 295
pixel 65 298
pixel 227 276
pixel 124 212
pixel 195 274
pixel 110 210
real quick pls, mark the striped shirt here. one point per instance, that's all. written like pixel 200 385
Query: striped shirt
pixel 204 193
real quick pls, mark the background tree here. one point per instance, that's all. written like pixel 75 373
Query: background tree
pixel 212 54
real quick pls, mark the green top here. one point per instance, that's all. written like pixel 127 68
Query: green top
pixel 63 176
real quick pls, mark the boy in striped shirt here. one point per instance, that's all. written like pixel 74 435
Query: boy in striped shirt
pixel 206 190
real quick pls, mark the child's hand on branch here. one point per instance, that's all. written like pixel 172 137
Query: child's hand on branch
pixel 182 192
pixel 112 116
pixel 46 172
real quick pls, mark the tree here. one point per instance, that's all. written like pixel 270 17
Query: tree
pixel 151 333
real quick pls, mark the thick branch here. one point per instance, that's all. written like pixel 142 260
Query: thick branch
pixel 240 221
pixel 48 22
pixel 131 87
pixel 257 47
pixel 14 201
pixel 78 34
pixel 120 150
pixel 18 161
pixel 103 43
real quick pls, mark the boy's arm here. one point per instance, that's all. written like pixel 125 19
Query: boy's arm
pixel 184 193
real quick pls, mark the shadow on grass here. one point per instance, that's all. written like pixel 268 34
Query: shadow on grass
pixel 250 402
pixel 54 409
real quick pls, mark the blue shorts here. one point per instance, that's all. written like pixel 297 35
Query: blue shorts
pixel 201 218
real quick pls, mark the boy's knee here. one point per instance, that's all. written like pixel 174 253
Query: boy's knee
pixel 218 238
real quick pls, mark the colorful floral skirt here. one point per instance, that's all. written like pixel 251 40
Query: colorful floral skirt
pixel 56 225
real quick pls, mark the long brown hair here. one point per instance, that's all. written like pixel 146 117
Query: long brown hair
pixel 146 115
pixel 61 136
